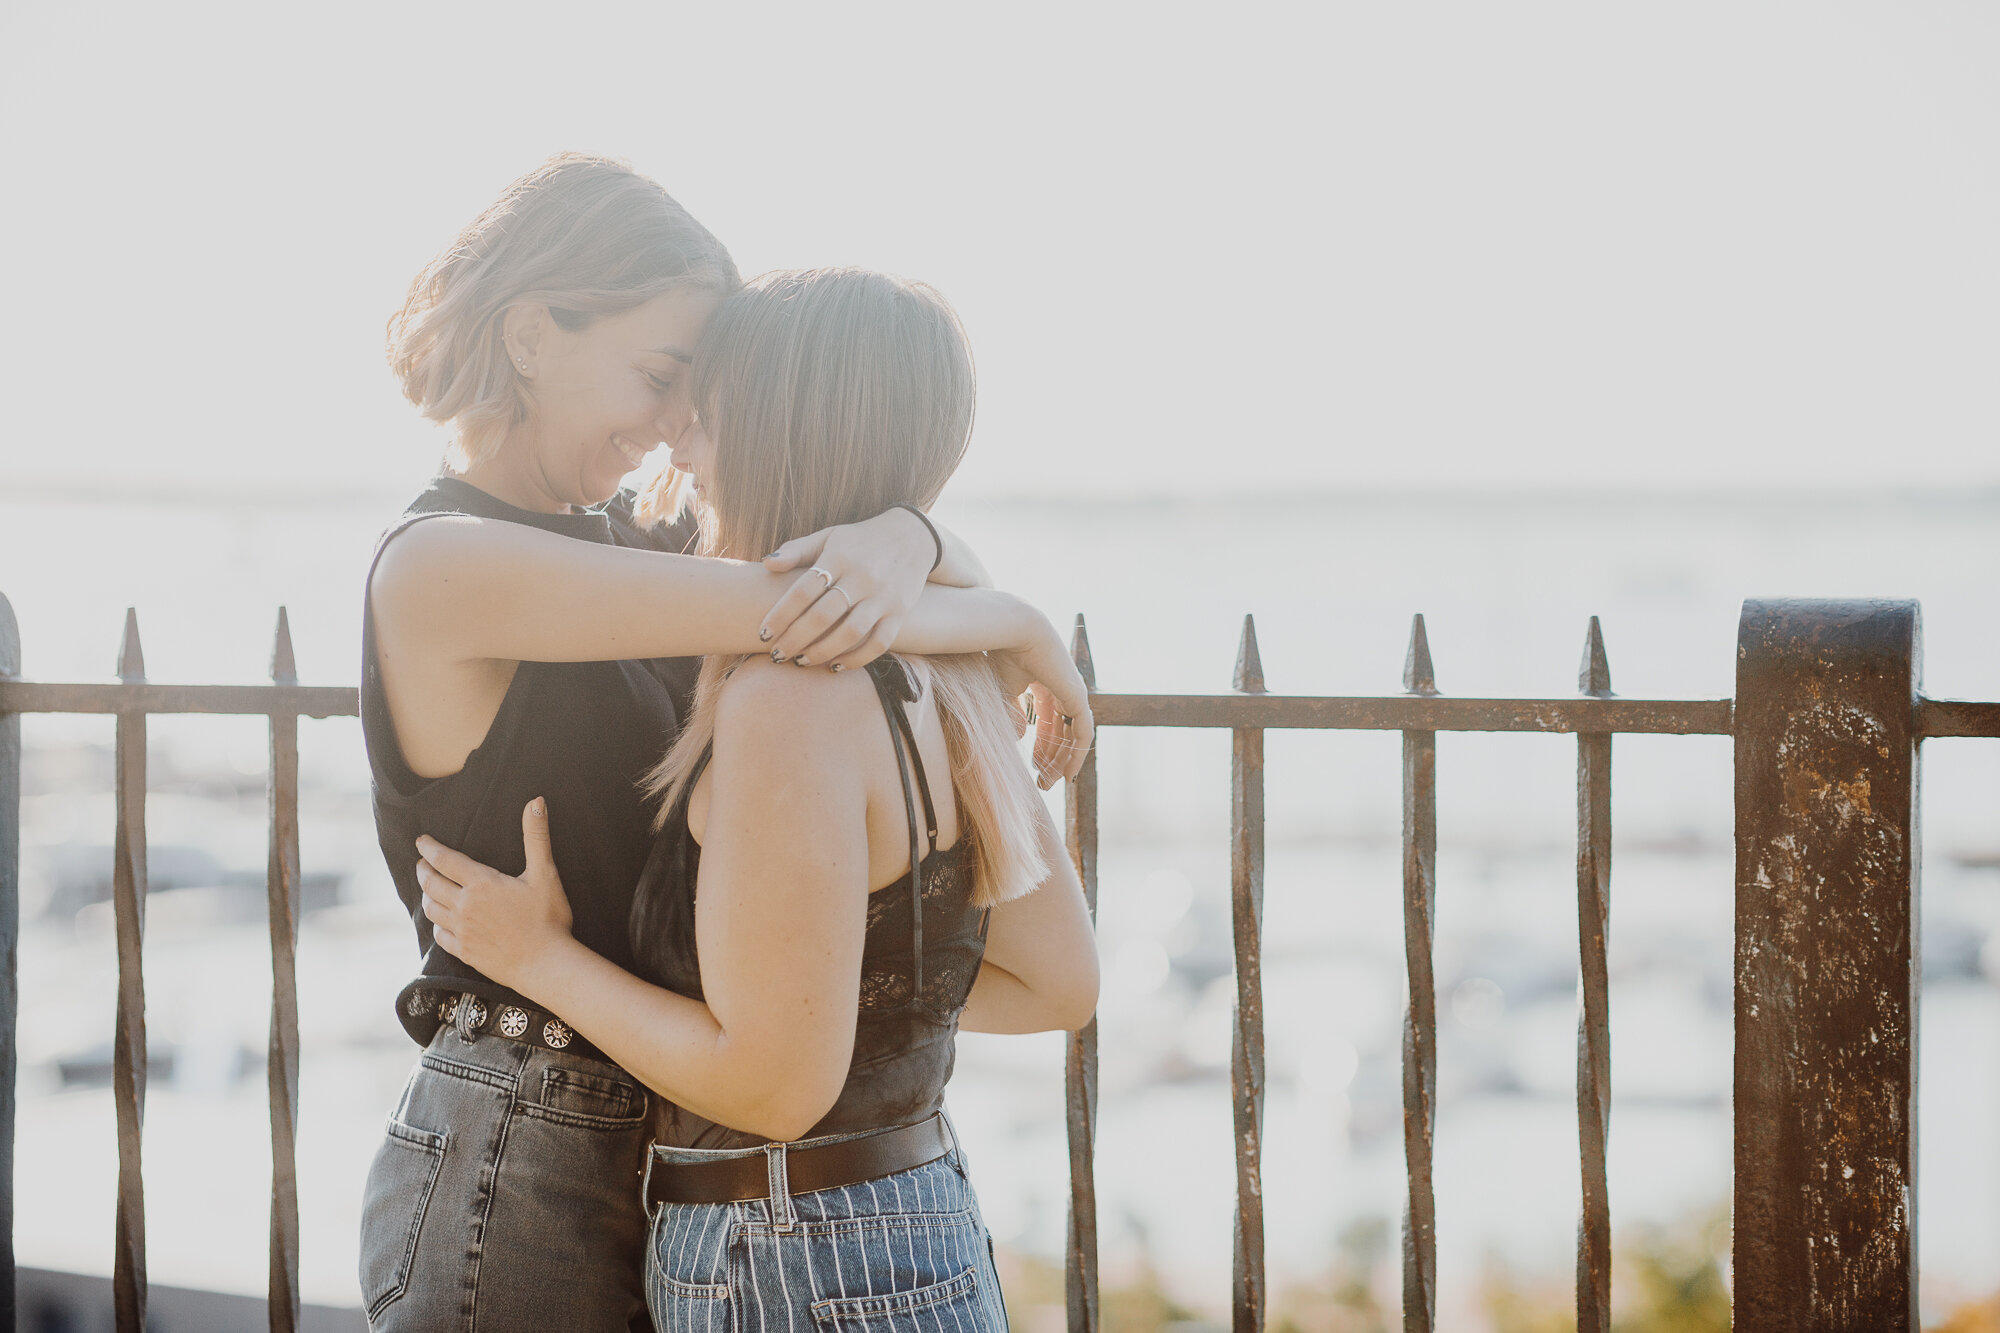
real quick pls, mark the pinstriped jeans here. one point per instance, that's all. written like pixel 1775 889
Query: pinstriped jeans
pixel 903 1253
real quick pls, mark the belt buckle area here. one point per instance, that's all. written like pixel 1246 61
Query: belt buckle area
pixel 784 1220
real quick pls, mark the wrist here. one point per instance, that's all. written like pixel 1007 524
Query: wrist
pixel 544 965
pixel 932 543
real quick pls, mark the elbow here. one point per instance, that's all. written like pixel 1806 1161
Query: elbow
pixel 784 1119
pixel 788 1108
pixel 1080 1011
pixel 1075 1003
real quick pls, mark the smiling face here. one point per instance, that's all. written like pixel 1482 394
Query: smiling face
pixel 603 396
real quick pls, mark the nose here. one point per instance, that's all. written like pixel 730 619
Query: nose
pixel 674 418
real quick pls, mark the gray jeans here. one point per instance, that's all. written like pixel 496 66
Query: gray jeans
pixel 505 1195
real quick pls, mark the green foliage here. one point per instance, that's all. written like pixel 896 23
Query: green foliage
pixel 1664 1280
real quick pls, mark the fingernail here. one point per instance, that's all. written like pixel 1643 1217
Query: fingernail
pixel 763 636
pixel 838 667
pixel 800 660
pixel 772 556
pixel 537 807
pixel 777 656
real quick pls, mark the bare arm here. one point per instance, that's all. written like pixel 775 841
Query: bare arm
pixel 482 589
pixel 1040 970
pixel 452 590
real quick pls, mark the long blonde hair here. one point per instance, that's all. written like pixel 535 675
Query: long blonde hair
pixel 584 236
pixel 830 395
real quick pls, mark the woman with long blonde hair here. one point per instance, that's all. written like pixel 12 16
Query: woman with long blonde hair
pixel 849 868
pixel 530 631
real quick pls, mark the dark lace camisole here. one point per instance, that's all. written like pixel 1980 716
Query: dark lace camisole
pixel 919 957
pixel 581 734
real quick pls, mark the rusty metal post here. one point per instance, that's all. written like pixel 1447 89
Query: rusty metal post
pixel 1246 1049
pixel 1420 1017
pixel 282 1069
pixel 128 1057
pixel 1080 1064
pixel 1593 1021
pixel 1826 967
pixel 10 941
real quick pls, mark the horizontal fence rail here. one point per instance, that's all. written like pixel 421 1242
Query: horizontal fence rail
pixel 1807 671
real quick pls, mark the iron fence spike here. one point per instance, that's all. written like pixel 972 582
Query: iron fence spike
pixel 131 658
pixel 1249 677
pixel 1418 677
pixel 284 667
pixel 1594 676
pixel 1079 651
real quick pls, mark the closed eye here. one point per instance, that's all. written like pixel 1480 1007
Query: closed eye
pixel 659 385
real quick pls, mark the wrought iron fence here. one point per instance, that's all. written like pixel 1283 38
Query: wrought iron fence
pixel 1827 721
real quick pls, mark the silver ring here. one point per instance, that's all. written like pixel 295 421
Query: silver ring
pixel 826 579
pixel 835 587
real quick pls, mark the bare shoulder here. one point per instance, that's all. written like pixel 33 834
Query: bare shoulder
pixel 436 547
pixel 803 706
pixel 434 566
pixel 421 557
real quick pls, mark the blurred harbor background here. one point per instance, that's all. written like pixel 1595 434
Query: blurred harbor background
pixel 1506 584
pixel 1333 313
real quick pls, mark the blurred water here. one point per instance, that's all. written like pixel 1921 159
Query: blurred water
pixel 1506 585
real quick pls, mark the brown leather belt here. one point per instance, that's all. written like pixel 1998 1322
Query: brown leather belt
pixel 795 1168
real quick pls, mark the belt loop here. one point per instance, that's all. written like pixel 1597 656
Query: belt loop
pixel 950 1134
pixel 783 1219
pixel 464 1013
pixel 646 1185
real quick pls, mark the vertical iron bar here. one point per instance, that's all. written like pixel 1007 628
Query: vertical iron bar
pixel 1593 1024
pixel 282 892
pixel 1246 1051
pixel 128 1064
pixel 1420 1018
pixel 10 939
pixel 1080 1066
pixel 1827 967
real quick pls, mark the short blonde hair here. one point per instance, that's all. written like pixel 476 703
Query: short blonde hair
pixel 584 236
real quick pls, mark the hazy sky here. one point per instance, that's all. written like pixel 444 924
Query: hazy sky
pixel 1254 247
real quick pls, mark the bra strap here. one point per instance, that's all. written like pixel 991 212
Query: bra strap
pixel 904 755
pixel 902 719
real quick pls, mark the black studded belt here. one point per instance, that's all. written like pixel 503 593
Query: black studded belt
pixel 474 1015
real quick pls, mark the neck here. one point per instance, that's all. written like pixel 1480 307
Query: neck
pixel 509 474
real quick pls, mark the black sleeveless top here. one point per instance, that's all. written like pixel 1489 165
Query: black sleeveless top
pixel 919 958
pixel 580 734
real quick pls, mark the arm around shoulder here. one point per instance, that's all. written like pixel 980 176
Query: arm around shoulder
pixel 469 589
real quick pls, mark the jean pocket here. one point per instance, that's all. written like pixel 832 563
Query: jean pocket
pixel 954 1303
pixel 578 1097
pixel 392 1211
